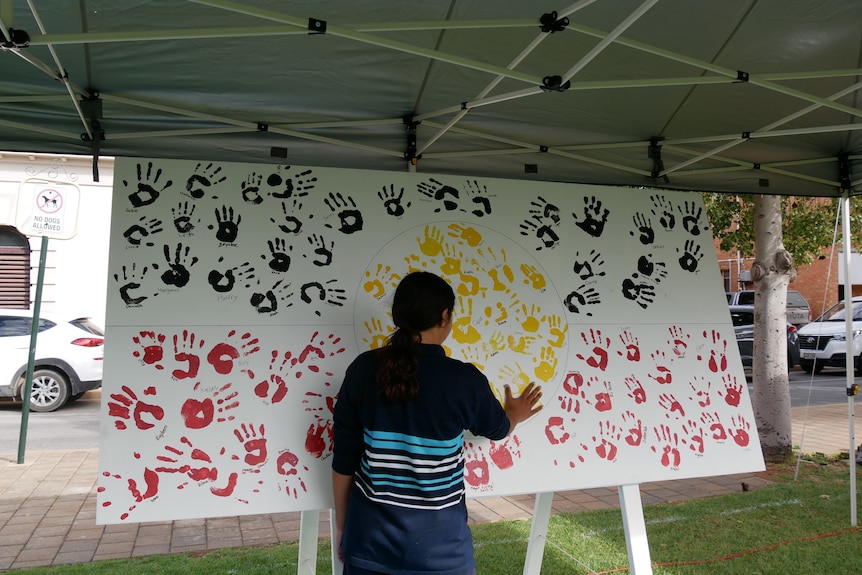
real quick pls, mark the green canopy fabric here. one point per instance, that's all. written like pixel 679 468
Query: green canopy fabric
pixel 740 96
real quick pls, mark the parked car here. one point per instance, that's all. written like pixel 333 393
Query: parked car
pixel 742 317
pixel 798 310
pixel 823 342
pixel 68 359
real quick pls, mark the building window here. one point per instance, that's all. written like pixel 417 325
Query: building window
pixel 14 269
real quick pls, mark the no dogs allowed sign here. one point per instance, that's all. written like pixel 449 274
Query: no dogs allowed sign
pixel 48 208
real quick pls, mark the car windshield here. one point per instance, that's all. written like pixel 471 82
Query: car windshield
pixel 741 318
pixel 838 313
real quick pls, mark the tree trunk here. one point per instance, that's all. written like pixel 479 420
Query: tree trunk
pixel 772 271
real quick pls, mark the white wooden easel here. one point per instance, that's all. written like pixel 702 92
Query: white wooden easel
pixel 631 507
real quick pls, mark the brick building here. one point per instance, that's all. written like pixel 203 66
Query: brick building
pixel 818 281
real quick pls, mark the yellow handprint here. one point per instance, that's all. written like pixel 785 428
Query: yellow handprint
pixel 494 272
pixel 462 328
pixel 432 243
pixel 547 366
pixel 468 234
pixel 374 327
pixel 412 262
pixel 530 323
pixel 558 335
pixel 532 276
pixel 469 285
pixel 494 344
pixel 376 285
pixel 452 261
pixel 515 377
pixel 475 355
pixel 521 343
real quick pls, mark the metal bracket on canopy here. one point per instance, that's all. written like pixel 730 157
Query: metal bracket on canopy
pixel 654 153
pixel 410 152
pixel 555 84
pixel 316 26
pixel 550 23
pixel 844 175
pixel 19 39
pixel 741 76
pixel 91 108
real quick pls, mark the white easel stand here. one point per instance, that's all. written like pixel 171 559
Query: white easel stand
pixel 309 523
pixel 633 524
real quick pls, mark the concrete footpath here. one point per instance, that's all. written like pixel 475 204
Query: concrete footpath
pixel 48 505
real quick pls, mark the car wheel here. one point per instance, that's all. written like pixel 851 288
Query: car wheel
pixel 50 390
pixel 809 366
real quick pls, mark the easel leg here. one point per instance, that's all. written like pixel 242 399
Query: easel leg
pixel 635 529
pixel 337 565
pixel 309 522
pixel 538 533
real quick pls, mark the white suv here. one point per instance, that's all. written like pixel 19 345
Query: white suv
pixel 822 343
pixel 68 359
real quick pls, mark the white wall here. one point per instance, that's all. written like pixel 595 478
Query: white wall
pixel 76 269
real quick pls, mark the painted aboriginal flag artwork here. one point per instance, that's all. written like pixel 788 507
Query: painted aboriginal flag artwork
pixel 239 293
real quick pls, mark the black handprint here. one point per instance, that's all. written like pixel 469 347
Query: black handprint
pixel 594 218
pixel 177 274
pixel 644 228
pixel 543 210
pixel 656 271
pixel 438 190
pixel 147 193
pixel 321 250
pixel 544 232
pixel 665 214
pixel 586 269
pixel 292 224
pixel 581 297
pixel 691 256
pixel 228 229
pixel 250 189
pixel 392 201
pixel 641 293
pixel 332 296
pixel 691 218
pixel 478 194
pixel 203 179
pixel 268 302
pixel 130 281
pixel 225 282
pixel 183 218
pixel 300 187
pixel 279 258
pixel 349 217
pixel 137 232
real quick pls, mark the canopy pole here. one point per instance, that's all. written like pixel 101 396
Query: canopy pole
pixel 31 360
pixel 850 370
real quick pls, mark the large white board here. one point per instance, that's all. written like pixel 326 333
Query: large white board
pixel 240 292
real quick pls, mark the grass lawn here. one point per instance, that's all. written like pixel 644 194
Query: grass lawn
pixel 794 527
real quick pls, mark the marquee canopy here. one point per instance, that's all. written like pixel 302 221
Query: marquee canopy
pixel 741 96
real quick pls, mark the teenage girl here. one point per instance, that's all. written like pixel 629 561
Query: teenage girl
pixel 398 464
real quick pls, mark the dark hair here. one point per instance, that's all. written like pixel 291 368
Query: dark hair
pixel 419 302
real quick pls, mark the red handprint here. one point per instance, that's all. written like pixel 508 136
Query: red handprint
pixel 182 354
pixel 630 341
pixel 700 386
pixel 504 454
pixel 636 390
pixel 713 422
pixel 717 357
pixel 277 373
pixel 678 340
pixel 152 350
pixel 204 473
pixel 739 431
pixel 670 456
pixel 670 403
pixel 475 467
pixel 223 354
pixel 122 403
pixel 198 414
pixel 635 434
pixel 695 436
pixel 288 467
pixel 254 443
pixel 609 434
pixel 663 375
pixel 732 391
pixel 600 344
pixel 318 438
pixel 555 431
pixel 151 480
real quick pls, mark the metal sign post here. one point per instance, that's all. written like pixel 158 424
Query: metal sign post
pixel 48 209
